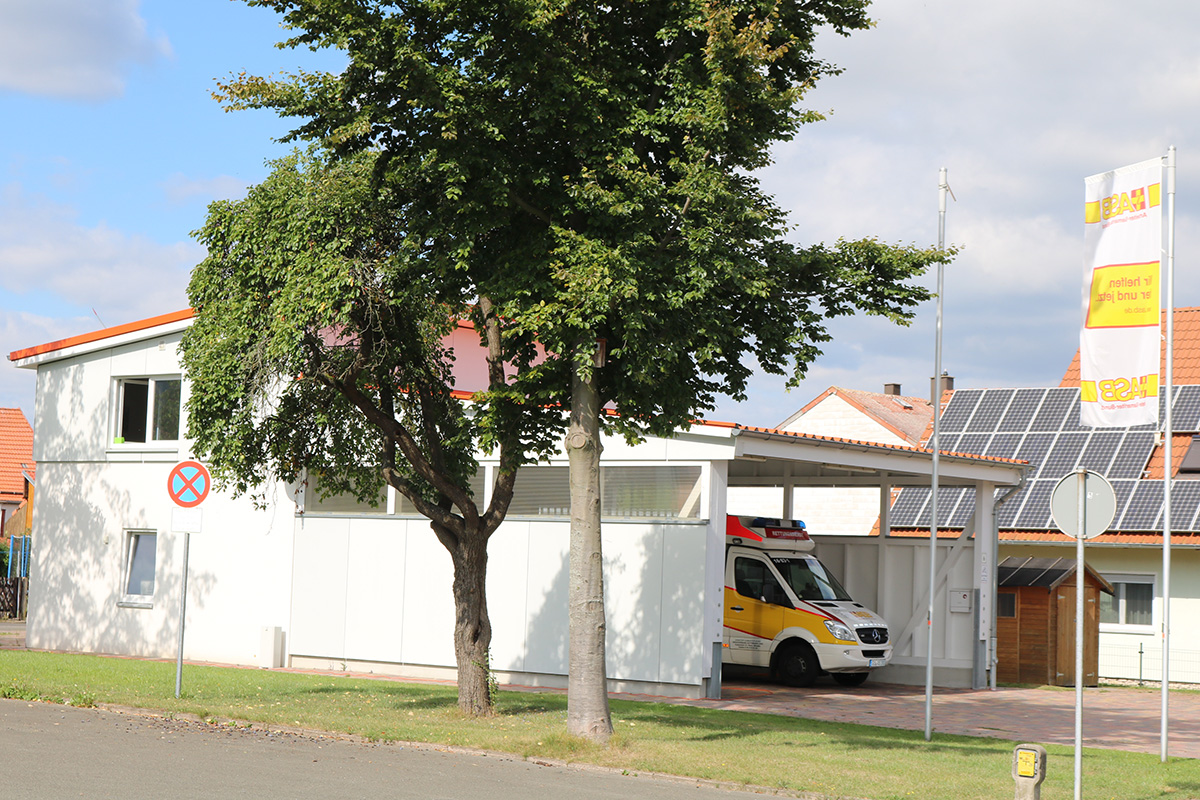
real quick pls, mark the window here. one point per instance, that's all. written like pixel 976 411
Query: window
pixel 148 410
pixel 345 503
pixel 1131 603
pixel 138 577
pixel 657 491
pixel 809 579
pixel 475 484
pixel 651 491
pixel 1006 605
pixel 541 492
pixel 1189 468
pixel 752 578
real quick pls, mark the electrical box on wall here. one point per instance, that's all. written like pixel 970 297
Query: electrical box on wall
pixel 960 600
pixel 270 650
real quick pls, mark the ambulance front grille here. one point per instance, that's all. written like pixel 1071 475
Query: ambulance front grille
pixel 873 635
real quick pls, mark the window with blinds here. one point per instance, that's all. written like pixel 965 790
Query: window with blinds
pixel 347 503
pixel 659 491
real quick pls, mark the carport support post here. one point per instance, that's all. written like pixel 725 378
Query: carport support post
pixel 986 546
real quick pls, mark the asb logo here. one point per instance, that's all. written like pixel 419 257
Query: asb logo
pixel 1122 203
pixel 1120 390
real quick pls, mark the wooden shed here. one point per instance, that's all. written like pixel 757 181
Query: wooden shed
pixel 1035 620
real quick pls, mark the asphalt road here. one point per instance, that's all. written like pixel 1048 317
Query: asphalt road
pixel 49 751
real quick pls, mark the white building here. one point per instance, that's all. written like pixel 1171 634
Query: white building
pixel 304 583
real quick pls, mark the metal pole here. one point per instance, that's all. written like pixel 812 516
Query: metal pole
pixel 1168 435
pixel 187 540
pixel 943 186
pixel 1079 570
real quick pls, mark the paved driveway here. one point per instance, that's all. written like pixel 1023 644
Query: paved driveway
pixel 1121 718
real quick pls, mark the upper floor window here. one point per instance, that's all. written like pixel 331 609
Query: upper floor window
pixel 148 410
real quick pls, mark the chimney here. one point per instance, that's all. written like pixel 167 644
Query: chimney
pixel 892 389
pixel 947 386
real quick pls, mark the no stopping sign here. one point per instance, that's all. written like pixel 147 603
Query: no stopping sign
pixel 188 484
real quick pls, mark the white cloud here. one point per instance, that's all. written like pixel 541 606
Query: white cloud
pixel 77 49
pixel 44 251
pixel 18 330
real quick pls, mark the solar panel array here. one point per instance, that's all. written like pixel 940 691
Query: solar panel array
pixel 1041 426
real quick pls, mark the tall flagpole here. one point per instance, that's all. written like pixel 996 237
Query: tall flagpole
pixel 943 187
pixel 1167 441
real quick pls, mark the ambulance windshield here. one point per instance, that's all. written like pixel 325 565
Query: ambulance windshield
pixel 809 579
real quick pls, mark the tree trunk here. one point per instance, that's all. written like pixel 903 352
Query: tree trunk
pixel 472 627
pixel 587 680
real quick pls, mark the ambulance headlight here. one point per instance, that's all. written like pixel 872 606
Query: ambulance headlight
pixel 840 631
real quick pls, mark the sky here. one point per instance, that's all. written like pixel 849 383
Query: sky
pixel 111 148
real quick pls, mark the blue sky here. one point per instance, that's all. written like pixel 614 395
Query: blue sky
pixel 111 147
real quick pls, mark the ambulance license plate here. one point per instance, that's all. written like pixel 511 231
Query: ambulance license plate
pixel 876 662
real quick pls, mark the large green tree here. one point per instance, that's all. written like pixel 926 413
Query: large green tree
pixel 589 167
pixel 318 352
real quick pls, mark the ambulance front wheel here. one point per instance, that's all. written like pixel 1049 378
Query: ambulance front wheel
pixel 796 664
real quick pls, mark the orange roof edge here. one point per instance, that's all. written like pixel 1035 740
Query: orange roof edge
pixel 104 333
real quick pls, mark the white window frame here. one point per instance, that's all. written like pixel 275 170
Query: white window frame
pixel 1118 581
pixel 151 382
pixel 128 555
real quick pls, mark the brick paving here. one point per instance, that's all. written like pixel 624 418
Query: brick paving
pixel 1121 718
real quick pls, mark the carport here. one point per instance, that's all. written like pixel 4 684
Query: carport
pixel 889 573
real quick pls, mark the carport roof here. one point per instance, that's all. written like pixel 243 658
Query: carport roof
pixel 808 459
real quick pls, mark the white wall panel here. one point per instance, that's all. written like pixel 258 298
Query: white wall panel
pixel 375 589
pixel 428 600
pixel 507 583
pixel 547 630
pixel 633 566
pixel 319 588
pixel 681 635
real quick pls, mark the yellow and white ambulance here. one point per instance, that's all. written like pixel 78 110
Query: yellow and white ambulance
pixel 784 610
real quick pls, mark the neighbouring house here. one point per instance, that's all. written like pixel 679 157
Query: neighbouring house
pixel 1041 426
pixel 334 583
pixel 16 474
pixel 887 418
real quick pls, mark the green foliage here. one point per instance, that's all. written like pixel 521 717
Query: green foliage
pixel 318 345
pixel 586 167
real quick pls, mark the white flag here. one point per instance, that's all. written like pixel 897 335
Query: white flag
pixel 1119 343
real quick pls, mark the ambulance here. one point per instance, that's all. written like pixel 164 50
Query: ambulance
pixel 785 610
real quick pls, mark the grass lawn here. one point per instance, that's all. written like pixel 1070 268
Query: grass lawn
pixel 838 760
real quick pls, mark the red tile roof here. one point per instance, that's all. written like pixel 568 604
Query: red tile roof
pixel 16 454
pixel 1187 351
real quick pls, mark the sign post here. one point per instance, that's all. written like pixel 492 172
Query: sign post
pixel 187 486
pixel 1083 505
